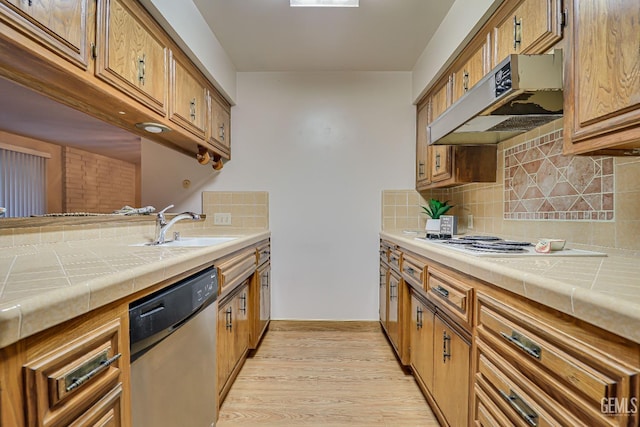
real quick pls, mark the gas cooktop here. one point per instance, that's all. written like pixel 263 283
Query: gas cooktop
pixel 497 247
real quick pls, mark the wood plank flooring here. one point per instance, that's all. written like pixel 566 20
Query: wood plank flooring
pixel 325 374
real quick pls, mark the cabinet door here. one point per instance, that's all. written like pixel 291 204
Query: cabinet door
pixel 440 99
pixel 602 76
pixel 383 292
pixel 265 297
pixel 225 343
pixel 188 101
pixel 469 73
pixel 451 373
pixel 60 25
pixel 440 163
pixel 422 149
pixel 241 323
pixel 393 319
pixel 220 127
pixel 132 57
pixel 422 351
pixel 533 27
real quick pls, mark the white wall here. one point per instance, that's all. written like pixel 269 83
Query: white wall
pixel 457 28
pixel 324 145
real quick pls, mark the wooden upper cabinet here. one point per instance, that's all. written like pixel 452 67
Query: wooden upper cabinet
pixel 132 55
pixel 469 73
pixel 219 134
pixel 441 163
pixel 59 25
pixel 440 100
pixel 188 98
pixel 602 77
pixel 422 149
pixel 533 27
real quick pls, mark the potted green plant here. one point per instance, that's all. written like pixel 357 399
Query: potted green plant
pixel 434 210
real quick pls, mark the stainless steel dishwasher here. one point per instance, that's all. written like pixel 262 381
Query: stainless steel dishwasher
pixel 173 354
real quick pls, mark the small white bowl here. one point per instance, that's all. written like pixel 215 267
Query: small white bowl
pixel 556 244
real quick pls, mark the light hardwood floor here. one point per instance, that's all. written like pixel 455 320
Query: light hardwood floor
pixel 324 374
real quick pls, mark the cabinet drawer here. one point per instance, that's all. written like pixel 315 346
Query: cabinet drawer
pixel 65 383
pixel 236 268
pixel 573 372
pixel 263 252
pixel 487 414
pixel 414 270
pixel 515 396
pixel 452 295
pixel 394 259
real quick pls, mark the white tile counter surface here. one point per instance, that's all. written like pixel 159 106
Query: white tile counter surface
pixel 603 291
pixel 42 285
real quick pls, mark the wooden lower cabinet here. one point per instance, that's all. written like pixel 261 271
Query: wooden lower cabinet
pixel 232 336
pixel 451 356
pixel 74 374
pixel 486 357
pixel 421 336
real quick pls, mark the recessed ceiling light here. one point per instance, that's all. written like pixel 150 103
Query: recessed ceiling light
pixel 153 127
pixel 324 3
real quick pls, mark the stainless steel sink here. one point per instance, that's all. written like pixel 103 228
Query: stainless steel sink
pixel 192 241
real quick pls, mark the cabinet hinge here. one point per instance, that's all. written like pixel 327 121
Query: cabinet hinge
pixel 94 51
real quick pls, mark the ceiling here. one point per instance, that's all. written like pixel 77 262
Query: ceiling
pixel 268 35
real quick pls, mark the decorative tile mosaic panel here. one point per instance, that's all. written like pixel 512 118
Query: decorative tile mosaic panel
pixel 541 183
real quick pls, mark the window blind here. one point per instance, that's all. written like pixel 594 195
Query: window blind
pixel 23 184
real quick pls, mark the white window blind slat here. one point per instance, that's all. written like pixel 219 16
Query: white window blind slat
pixel 22 183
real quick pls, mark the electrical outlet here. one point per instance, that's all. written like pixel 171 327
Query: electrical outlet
pixel 470 222
pixel 222 219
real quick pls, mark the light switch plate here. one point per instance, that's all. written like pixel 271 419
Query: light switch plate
pixel 222 219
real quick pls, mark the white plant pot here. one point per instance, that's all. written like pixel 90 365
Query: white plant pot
pixel 433 226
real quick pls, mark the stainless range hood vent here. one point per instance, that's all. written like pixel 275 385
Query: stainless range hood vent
pixel 523 92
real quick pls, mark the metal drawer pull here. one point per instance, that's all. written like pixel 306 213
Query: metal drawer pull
pixel 409 270
pixel 442 291
pixel 446 354
pixel 243 307
pixel 418 318
pixel 521 407
pixel 517 31
pixel 89 370
pixel 229 318
pixel 523 343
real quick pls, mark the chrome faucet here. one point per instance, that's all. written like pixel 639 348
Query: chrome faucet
pixel 162 226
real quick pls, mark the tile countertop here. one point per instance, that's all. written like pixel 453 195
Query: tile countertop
pixel 43 285
pixel 603 291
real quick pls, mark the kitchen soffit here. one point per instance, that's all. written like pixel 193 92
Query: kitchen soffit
pixel 380 35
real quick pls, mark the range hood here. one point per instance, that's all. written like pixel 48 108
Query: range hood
pixel 519 94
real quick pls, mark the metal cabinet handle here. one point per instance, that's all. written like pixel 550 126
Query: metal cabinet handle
pixel 521 407
pixel 421 168
pixel 229 318
pixel 221 132
pixel 243 306
pixel 192 109
pixel 418 318
pixel 523 343
pixel 409 270
pixel 442 291
pixel 265 279
pixel 141 69
pixel 391 294
pixel 438 161
pixel 446 352
pixel 95 366
pixel 517 31
pixel 465 80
